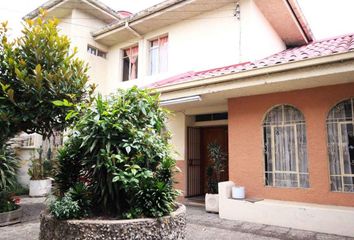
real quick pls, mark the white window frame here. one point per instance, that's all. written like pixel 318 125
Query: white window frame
pixel 95 51
pixel 158 54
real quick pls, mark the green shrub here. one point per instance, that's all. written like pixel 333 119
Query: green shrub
pixel 7 202
pixel 66 208
pixel 18 189
pixel 67 171
pixel 119 148
pixel 8 167
pixel 80 193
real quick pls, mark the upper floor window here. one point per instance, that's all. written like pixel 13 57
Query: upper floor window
pixel 340 127
pixel 130 63
pixel 95 51
pixel 285 151
pixel 158 55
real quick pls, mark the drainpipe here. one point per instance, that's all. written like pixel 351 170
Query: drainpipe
pixel 132 30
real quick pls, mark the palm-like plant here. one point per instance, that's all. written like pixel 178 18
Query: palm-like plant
pixel 218 158
pixel 8 167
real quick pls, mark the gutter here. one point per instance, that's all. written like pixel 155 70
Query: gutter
pixel 140 15
pixel 340 57
pixel 126 25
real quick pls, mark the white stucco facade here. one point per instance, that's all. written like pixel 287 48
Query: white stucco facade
pixel 212 39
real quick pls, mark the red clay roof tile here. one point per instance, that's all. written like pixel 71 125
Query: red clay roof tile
pixel 321 48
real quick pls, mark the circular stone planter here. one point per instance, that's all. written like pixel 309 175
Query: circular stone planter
pixel 12 217
pixel 168 227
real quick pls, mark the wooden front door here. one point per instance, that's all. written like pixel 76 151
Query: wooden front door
pixel 208 135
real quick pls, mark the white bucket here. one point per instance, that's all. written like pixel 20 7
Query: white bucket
pixel 238 192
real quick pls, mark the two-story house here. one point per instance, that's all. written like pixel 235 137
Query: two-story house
pixel 248 75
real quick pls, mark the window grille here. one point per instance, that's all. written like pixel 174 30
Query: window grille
pixel 340 136
pixel 285 149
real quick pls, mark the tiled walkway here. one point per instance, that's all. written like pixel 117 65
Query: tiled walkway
pixel 201 225
pixel 205 226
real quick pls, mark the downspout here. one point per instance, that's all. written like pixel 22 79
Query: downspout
pixel 126 25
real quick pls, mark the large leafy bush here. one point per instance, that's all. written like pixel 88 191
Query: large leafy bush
pixel 37 69
pixel 119 148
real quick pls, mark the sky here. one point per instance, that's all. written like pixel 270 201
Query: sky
pixel 327 18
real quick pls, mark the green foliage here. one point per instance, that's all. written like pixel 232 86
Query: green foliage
pixel 18 189
pixel 7 202
pixel 218 158
pixel 8 167
pixel 68 169
pixel 38 69
pixel 66 208
pixel 212 183
pixel 80 193
pixel 155 198
pixel 119 148
pixel 41 167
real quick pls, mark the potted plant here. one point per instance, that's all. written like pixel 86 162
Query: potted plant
pixel 10 210
pixel 218 162
pixel 40 171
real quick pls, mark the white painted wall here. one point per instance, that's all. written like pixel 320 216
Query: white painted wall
pixel 176 124
pixel 306 216
pixel 258 38
pixel 78 25
pixel 206 41
pixel 203 42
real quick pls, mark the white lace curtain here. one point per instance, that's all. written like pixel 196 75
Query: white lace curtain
pixel 285 148
pixel 340 126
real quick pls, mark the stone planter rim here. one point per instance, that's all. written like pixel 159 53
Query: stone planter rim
pixel 12 217
pixel 181 209
pixel 172 226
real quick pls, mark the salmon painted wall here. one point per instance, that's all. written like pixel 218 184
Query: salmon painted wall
pixel 246 158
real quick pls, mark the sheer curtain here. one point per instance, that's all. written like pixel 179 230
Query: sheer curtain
pixel 163 46
pixel 132 54
pixel 340 124
pixel 285 148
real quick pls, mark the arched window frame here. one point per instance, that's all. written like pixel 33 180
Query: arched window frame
pixel 289 177
pixel 340 119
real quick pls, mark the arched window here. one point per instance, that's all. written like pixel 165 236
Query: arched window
pixel 285 151
pixel 340 127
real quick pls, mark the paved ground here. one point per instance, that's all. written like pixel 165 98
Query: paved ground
pixel 201 226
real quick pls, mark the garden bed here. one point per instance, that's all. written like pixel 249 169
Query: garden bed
pixel 168 227
pixel 12 217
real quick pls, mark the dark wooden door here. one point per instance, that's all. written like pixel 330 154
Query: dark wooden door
pixel 208 135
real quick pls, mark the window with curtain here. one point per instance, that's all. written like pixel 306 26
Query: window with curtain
pixel 340 130
pixel 158 55
pixel 285 150
pixel 130 63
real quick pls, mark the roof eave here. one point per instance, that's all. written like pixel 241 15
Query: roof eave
pixel 53 4
pixel 339 57
pixel 138 16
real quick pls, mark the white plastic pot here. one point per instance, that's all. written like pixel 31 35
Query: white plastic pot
pixel 40 188
pixel 212 202
pixel 238 192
